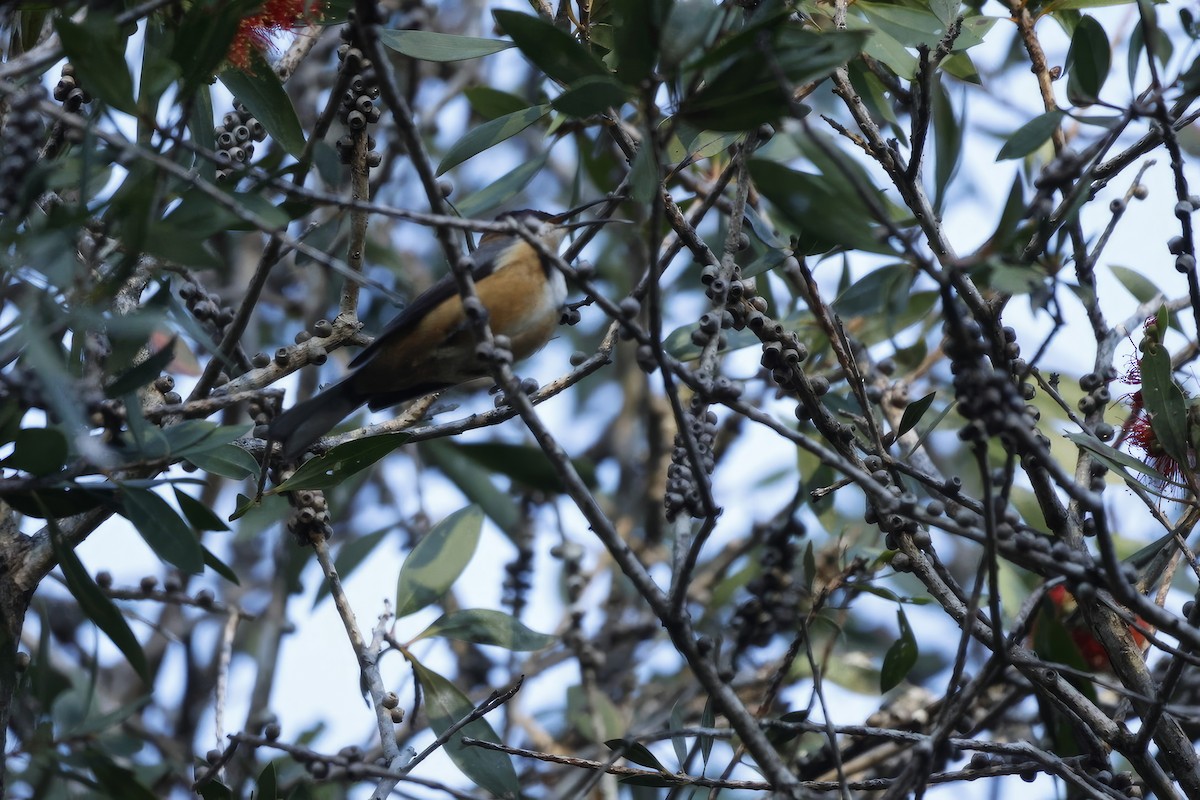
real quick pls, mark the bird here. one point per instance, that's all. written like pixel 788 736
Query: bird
pixel 429 345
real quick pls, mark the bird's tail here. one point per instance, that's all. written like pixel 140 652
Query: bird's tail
pixel 304 423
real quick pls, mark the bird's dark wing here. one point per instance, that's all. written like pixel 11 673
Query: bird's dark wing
pixel 483 261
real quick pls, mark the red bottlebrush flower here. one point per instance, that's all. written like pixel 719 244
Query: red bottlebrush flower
pixel 273 17
pixel 1093 653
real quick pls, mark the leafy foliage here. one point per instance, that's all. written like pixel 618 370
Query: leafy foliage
pixel 839 361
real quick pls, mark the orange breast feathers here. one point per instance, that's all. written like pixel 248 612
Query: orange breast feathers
pixel 523 303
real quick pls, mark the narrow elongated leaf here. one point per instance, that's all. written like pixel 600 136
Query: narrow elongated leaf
pixel 199 516
pixel 504 189
pixel 490 103
pixel 551 50
pixel 441 47
pixel 263 95
pixel 445 706
pixel 117 781
pixel 97 50
pixel 436 562
pixel 476 483
pixel 689 25
pixel 141 374
pixel 1088 62
pixel 1030 136
pixel 103 722
pixel 900 658
pixel 227 460
pixel 95 605
pixel 350 556
pixel 525 464
pixel 38 451
pixel 914 412
pixel 489 134
pixel 484 626
pixel 1165 403
pixel 591 95
pixel 167 534
pixel 1115 459
pixel 341 462
pixel 636 27
pixel 823 213
pixel 636 752
pixel 1137 284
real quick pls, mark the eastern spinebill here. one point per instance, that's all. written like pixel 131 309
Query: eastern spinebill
pixel 429 345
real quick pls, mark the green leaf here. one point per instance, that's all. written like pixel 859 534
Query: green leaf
pixel 635 752
pixel 1030 136
pixel 227 460
pixel 65 502
pixel 263 96
pixel 554 52
pixel 1137 284
pixel 885 290
pixel 97 49
pixel 476 484
pixel 504 189
pixel 95 605
pixel 441 47
pixel 199 516
pixel 267 783
pixel 1165 403
pixel 445 705
pixel 913 413
pixel 947 140
pixel 141 374
pixel 489 134
pixel 643 177
pixel 436 562
pixel 525 464
pixel 690 24
pixel 594 94
pixel 900 657
pixel 220 567
pixel 755 87
pixel 636 25
pixel 825 213
pixel 907 25
pixel 350 556
pixel 115 780
pixel 584 711
pixel 1116 460
pixel 491 103
pixel 167 534
pixel 341 462
pixel 38 451
pixel 483 626
pixel 103 722
pixel 1088 61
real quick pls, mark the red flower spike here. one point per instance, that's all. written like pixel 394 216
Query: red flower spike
pixel 273 17
pixel 1094 654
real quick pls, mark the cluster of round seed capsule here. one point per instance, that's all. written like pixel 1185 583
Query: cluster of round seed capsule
pixel 235 137
pixel 360 101
pixel 309 520
pixel 774 592
pixel 19 147
pixel 683 492
pixel 68 92
pixel 987 398
pixel 517 580
pixel 1097 398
